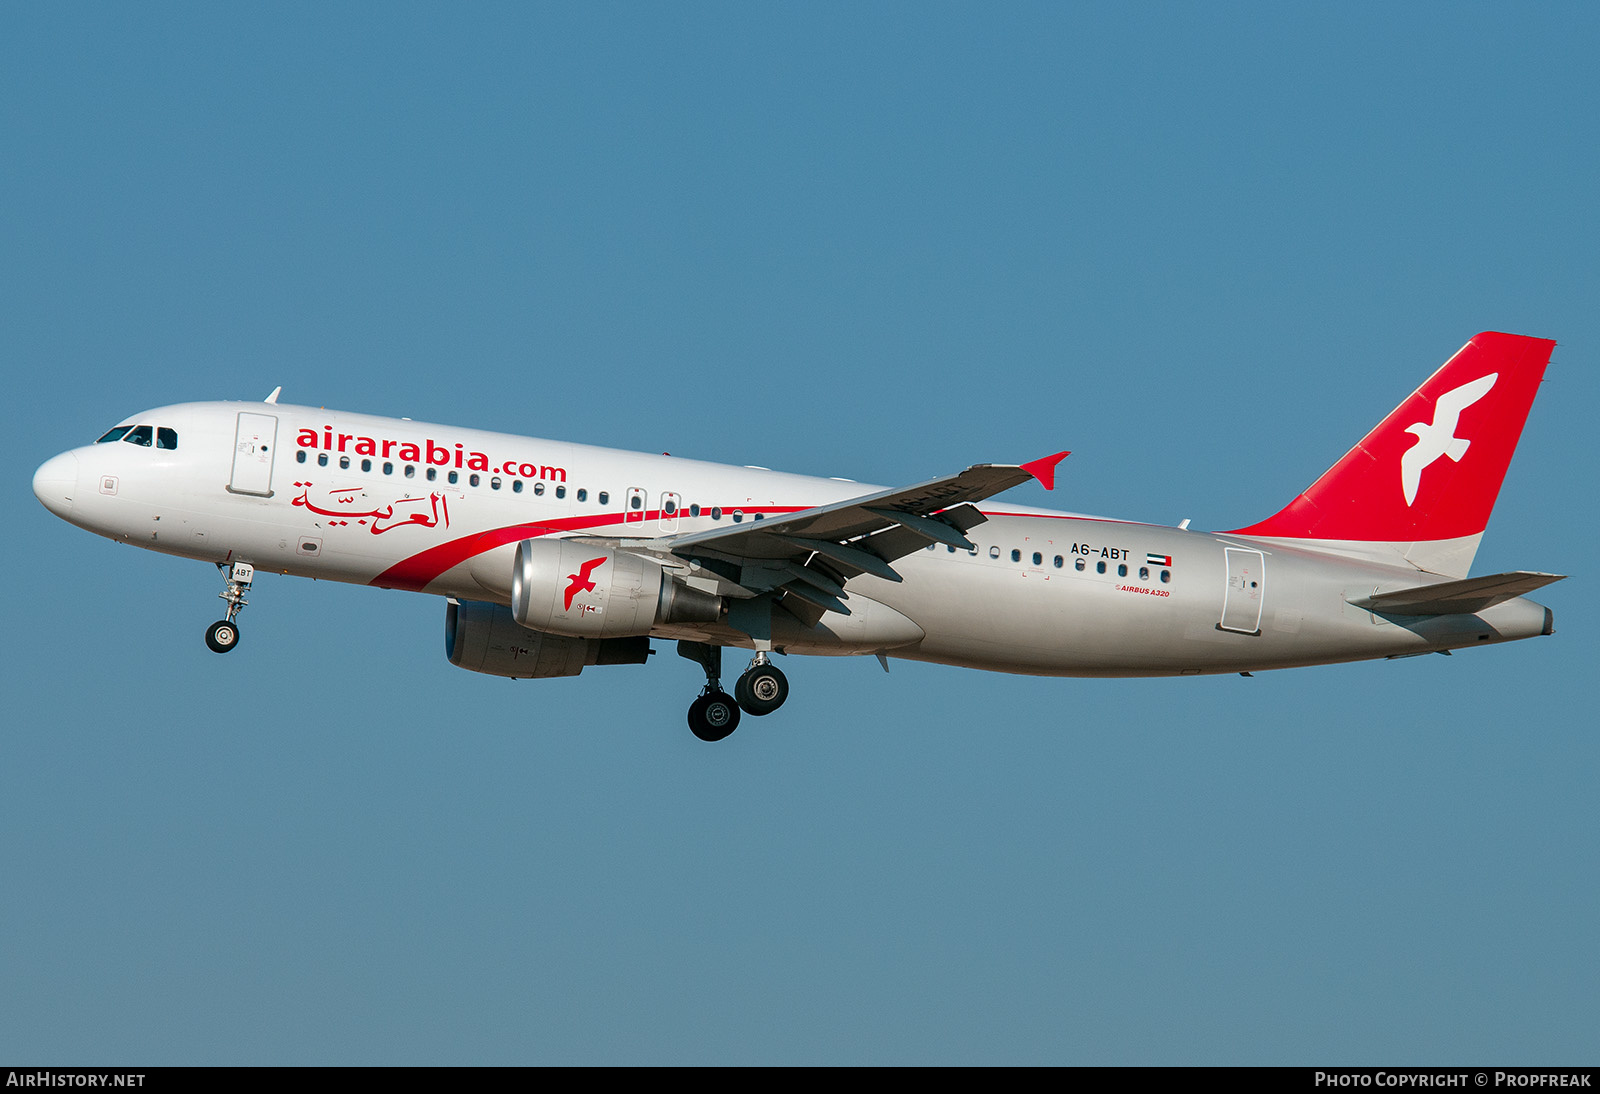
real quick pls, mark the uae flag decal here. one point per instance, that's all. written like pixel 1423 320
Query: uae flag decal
pixel 1158 560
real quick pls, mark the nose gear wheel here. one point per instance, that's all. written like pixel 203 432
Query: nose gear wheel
pixel 222 636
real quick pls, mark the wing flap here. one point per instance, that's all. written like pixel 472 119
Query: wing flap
pixel 856 558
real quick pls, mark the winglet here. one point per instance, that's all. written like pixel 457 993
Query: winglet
pixel 1044 469
pixel 273 398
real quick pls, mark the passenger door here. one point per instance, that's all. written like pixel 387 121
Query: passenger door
pixel 254 448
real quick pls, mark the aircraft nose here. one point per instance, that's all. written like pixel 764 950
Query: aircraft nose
pixel 55 483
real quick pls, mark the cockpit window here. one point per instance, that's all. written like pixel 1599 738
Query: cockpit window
pixel 166 438
pixel 114 435
pixel 140 434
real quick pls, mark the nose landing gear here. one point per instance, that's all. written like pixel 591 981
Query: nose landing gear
pixel 223 635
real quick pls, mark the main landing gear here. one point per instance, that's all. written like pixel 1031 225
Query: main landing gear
pixel 760 690
pixel 712 716
pixel 223 635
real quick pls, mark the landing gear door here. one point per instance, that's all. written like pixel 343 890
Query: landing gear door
pixel 255 446
pixel 1247 585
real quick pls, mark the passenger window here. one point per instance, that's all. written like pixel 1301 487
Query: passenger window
pixel 716 512
pixel 1122 569
pixel 1059 561
pixel 366 465
pixel 994 552
pixel 472 480
pixel 635 502
pixel 494 483
pixel 300 456
pixel 1038 559
pixel 322 459
pixel 344 463
pixel 1016 555
pixel 583 494
pixel 433 473
pixel 166 438
pixel 1099 567
pixel 114 435
pixel 411 472
pixel 454 477
pixel 694 510
pixel 561 491
pixel 669 507
pixel 1078 565
pixel 738 515
pixel 951 547
pixel 388 468
pixel 139 434
pixel 605 498
pixel 516 486
pixel 538 488
pixel 1144 573
pixel 1166 576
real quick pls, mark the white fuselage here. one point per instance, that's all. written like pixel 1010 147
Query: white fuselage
pixel 437 509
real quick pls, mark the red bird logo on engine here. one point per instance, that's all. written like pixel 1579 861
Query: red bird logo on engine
pixel 580 580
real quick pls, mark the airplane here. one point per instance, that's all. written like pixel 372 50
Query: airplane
pixel 555 556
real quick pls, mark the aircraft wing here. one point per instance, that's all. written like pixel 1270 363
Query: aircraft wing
pixel 811 553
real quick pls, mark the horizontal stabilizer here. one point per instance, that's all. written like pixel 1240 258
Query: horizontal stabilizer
pixel 1463 597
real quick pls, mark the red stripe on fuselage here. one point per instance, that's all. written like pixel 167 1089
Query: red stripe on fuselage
pixel 423 568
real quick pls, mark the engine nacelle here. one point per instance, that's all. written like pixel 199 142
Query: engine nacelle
pixel 485 638
pixel 566 587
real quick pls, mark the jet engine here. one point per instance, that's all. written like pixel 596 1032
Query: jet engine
pixel 564 586
pixel 485 638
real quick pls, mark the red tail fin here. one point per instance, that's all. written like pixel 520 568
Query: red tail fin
pixel 1432 469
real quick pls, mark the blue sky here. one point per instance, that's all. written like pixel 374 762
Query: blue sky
pixel 1203 246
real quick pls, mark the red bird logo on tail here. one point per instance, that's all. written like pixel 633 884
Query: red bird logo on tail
pixel 580 580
